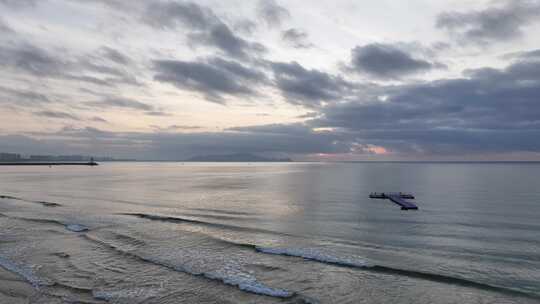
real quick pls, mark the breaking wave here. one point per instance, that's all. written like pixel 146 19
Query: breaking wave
pixel 172 219
pixel 69 226
pixel 76 227
pixel 24 271
pixel 233 277
pixel 318 256
pixel 315 255
pixel 43 203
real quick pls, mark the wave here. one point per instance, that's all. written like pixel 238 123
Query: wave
pixel 68 291
pixel 26 272
pixel 242 281
pixel 127 239
pixel 43 203
pixel 315 255
pixel 171 219
pixel 46 286
pixel 76 227
pixel 9 197
pixel 357 263
pixel 223 211
pixel 69 226
pixel 216 217
pixel 135 293
pixel 46 204
pixel 351 262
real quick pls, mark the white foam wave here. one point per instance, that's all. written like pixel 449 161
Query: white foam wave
pixel 316 255
pixel 234 276
pixel 230 274
pixel 76 227
pixel 248 283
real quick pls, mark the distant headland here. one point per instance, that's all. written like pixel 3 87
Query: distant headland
pixel 238 157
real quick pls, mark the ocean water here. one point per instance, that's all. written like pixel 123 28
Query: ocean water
pixel 273 232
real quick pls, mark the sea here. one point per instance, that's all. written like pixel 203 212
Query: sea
pixel 171 232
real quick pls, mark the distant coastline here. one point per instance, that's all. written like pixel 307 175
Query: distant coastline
pixel 20 159
pixel 10 158
pixel 238 157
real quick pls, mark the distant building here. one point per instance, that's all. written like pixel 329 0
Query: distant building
pixel 10 157
pixel 13 157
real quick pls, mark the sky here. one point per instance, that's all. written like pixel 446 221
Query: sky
pixel 309 80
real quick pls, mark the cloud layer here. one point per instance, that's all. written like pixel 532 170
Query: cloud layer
pixel 499 23
pixel 172 79
pixel 387 61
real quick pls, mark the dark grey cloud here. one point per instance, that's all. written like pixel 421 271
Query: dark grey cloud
pixel 4 27
pixel 204 26
pixel 70 140
pixel 56 114
pixel 213 77
pixel 90 80
pixel 35 61
pixel 18 143
pixel 176 145
pixel 112 66
pixel 490 110
pixel 221 37
pixel 172 15
pixel 502 22
pixel 31 59
pixel 272 13
pixel 120 102
pixel 296 38
pixel 22 97
pixel 486 110
pixel 115 55
pixel 183 127
pixel 173 128
pixel 297 129
pixel 245 26
pixel 102 68
pixel 157 113
pixel 533 54
pixel 119 5
pixel 386 61
pixel 308 87
pixel 247 141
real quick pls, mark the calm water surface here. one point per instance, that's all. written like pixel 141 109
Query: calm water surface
pixel 265 233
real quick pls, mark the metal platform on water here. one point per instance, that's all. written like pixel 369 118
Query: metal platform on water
pixel 398 198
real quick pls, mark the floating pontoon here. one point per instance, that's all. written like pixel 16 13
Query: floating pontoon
pixel 397 197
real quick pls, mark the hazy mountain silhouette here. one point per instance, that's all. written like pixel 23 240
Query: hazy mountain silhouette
pixel 238 157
